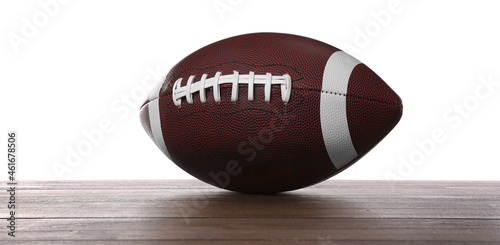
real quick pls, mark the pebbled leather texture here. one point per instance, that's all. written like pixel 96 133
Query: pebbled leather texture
pixel 259 147
pixel 373 108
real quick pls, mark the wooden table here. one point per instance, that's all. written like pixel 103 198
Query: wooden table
pixel 191 212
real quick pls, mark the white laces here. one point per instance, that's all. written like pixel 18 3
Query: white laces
pixel 236 79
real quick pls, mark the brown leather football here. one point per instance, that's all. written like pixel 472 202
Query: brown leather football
pixel 269 112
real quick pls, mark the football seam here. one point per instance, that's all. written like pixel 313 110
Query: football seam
pixel 321 91
pixel 351 96
pixel 235 112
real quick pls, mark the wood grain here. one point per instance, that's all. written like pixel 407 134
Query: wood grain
pixel 191 212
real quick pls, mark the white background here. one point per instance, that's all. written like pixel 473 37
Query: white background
pixel 67 67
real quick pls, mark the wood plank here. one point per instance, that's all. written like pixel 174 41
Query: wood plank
pixel 258 229
pixel 191 212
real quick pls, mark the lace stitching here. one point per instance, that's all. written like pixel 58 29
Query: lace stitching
pixel 250 79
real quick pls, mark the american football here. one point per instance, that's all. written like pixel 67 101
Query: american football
pixel 269 112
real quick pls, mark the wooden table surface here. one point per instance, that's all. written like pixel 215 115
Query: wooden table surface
pixel 191 212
